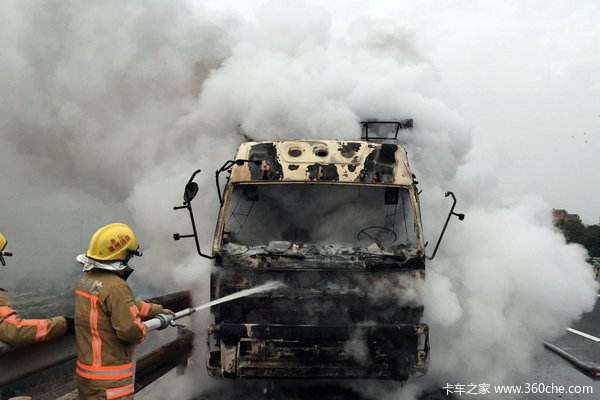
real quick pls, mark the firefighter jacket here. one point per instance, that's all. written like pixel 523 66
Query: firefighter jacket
pixel 108 322
pixel 17 332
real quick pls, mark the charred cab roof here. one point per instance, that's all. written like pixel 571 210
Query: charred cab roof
pixel 323 160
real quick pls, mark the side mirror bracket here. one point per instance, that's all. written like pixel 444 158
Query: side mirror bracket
pixel 450 214
pixel 227 167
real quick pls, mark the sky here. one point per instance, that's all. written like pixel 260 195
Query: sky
pixel 108 107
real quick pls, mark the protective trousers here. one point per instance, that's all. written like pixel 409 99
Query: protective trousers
pixel 90 390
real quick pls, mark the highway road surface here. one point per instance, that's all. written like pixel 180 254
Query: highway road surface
pixel 581 341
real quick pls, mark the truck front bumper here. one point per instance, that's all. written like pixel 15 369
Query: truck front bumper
pixel 390 351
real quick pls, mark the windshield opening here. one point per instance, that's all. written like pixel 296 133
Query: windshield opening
pixel 369 217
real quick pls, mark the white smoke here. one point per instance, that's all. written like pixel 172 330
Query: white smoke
pixel 506 283
pixel 123 101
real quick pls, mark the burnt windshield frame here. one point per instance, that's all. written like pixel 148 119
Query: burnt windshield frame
pixel 237 211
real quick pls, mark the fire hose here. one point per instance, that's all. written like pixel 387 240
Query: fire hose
pixel 162 321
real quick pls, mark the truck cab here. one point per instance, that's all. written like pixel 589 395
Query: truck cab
pixel 338 222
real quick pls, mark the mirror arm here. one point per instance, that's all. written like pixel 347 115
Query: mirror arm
pixel 450 214
pixel 227 167
pixel 228 164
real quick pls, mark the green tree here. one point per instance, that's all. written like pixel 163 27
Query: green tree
pixel 573 229
pixel 592 240
pixel 576 232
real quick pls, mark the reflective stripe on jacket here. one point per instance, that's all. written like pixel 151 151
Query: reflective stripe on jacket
pixel 108 321
pixel 17 332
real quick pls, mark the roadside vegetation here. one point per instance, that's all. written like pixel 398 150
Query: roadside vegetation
pixel 586 235
pixel 43 299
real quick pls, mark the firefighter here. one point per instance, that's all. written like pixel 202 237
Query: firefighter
pixel 16 331
pixel 108 319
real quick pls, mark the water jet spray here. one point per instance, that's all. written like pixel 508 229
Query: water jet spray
pixel 161 321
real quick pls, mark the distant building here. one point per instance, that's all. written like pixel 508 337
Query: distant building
pixel 563 215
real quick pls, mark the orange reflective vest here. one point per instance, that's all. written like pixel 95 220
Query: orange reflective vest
pixel 17 332
pixel 108 321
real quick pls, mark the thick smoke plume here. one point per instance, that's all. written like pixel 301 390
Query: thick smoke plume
pixel 116 102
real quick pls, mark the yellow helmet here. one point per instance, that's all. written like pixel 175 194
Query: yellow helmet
pixel 2 241
pixel 113 242
pixel 2 252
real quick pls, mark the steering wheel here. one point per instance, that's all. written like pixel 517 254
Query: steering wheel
pixel 378 234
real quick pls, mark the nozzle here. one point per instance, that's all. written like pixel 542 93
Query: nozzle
pixel 159 322
pixel 165 320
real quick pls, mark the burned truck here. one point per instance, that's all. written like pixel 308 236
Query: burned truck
pixel 338 222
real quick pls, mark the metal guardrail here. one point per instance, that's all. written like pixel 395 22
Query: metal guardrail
pixel 160 361
pixel 593 370
pixel 21 362
pixel 17 363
